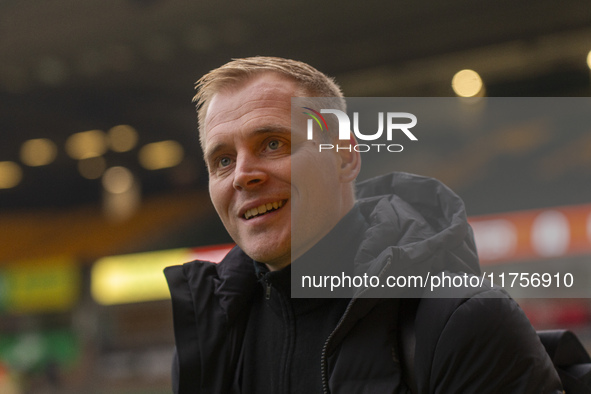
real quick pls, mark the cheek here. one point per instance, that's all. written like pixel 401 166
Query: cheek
pixel 315 171
pixel 281 168
pixel 218 197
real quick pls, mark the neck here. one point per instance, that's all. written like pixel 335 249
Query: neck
pixel 295 254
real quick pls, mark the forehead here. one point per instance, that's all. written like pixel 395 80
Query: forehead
pixel 261 97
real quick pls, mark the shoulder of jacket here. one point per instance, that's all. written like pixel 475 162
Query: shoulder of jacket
pixel 234 264
pixel 485 320
pixel 434 313
pixel 466 334
pixel 189 274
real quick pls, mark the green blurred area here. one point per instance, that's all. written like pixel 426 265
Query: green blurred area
pixel 35 351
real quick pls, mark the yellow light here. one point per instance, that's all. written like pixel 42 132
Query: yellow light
pixel 589 60
pixel 92 167
pixel 467 83
pixel 134 277
pixel 117 180
pixel 163 154
pixel 38 152
pixel 10 174
pixel 86 144
pixel 122 138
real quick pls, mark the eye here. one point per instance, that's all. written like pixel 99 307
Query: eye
pixel 274 144
pixel 224 162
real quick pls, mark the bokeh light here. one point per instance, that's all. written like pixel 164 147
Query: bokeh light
pixel 163 154
pixel 38 152
pixel 122 138
pixel 467 83
pixel 10 174
pixel 86 144
pixel 117 180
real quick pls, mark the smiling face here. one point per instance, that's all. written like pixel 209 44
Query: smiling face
pixel 249 149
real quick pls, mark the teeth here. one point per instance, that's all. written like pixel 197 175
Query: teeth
pixel 264 208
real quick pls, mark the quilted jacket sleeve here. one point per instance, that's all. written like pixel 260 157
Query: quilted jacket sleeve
pixel 487 345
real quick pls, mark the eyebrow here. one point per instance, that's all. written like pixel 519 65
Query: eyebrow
pixel 268 129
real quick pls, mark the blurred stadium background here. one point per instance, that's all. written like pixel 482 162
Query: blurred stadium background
pixel 102 183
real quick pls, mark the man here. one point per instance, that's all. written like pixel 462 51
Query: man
pixel 237 329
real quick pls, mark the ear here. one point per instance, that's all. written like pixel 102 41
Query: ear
pixel 350 160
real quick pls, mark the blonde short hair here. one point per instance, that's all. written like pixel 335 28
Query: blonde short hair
pixel 313 82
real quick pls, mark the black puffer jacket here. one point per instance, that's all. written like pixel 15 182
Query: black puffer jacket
pixel 477 342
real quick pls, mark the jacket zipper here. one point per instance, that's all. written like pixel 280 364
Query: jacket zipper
pixel 267 290
pixel 262 277
pixel 324 348
pixel 323 362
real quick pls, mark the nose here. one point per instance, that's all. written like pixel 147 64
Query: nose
pixel 249 173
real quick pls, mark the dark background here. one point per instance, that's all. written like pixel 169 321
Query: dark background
pixel 68 66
